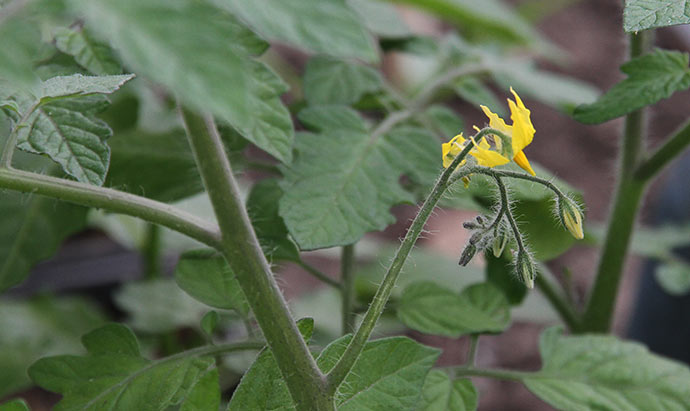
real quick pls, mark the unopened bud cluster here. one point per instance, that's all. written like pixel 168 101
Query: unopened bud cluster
pixel 485 236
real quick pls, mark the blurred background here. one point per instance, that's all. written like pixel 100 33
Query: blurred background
pixel 95 268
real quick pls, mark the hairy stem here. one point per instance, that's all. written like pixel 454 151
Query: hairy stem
pixel 113 201
pixel 337 375
pixel 347 279
pixel 629 191
pixel 243 253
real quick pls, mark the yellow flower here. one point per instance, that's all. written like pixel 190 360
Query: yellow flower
pixel 521 132
pixel 451 149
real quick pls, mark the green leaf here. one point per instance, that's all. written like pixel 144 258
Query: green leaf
pixel 262 206
pixel 674 277
pixel 651 77
pixel 326 26
pixel 331 81
pixel 90 53
pixel 204 56
pixel 114 378
pixel 158 166
pixel 67 131
pixel 40 327
pixel 209 322
pixel 80 85
pixel 388 375
pixel 601 372
pixel 262 387
pixel 344 181
pixel 206 276
pixel 432 309
pixel 111 338
pixel 205 394
pixel 647 14
pixel 380 18
pixel 32 228
pixel 159 306
pixel 500 272
pixel 15 405
pixel 545 235
pixel 440 393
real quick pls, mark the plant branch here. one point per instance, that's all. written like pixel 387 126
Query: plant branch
pixel 338 373
pixel 669 150
pixel 472 353
pixel 243 253
pixel 347 279
pixel 11 142
pixel 627 198
pixel 316 273
pixel 113 201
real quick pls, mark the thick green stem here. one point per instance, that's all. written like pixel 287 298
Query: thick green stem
pixel 629 191
pixel 243 253
pixel 338 373
pixel 347 279
pixel 111 200
pixel 672 148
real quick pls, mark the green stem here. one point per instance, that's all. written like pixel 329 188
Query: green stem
pixel 672 148
pixel 113 201
pixel 557 299
pixel 316 273
pixel 151 251
pixel 629 191
pixel 347 279
pixel 243 253
pixel 338 373
pixel 472 354
pixel 11 142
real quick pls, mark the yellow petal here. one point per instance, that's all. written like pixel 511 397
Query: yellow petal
pixel 523 130
pixel 451 149
pixel 517 99
pixel 496 122
pixel 521 160
pixel 486 157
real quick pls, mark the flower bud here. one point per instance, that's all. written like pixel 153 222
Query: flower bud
pixel 499 244
pixel 470 225
pixel 476 238
pixel 571 217
pixel 525 269
pixel 467 254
